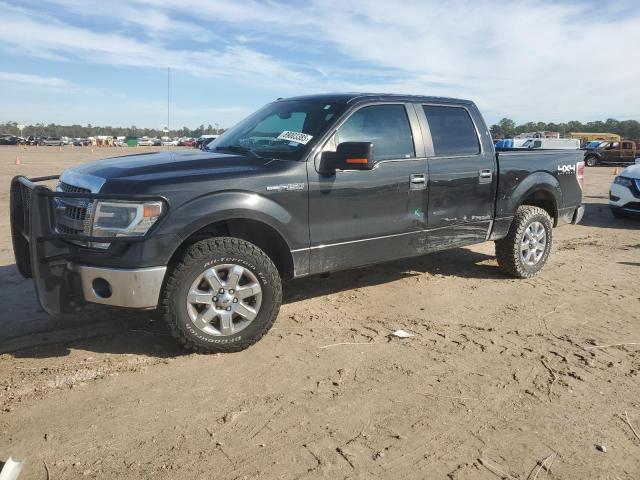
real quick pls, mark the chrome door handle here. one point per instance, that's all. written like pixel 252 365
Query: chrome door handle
pixel 418 181
pixel 485 176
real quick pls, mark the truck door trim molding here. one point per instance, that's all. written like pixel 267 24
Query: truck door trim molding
pixel 382 237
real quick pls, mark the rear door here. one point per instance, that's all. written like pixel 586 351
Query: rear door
pixel 364 217
pixel 462 175
pixel 627 152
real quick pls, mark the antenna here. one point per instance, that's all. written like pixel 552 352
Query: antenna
pixel 168 97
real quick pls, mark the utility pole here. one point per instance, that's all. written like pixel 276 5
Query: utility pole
pixel 167 128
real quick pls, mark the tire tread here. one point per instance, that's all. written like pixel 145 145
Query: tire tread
pixel 507 248
pixel 195 254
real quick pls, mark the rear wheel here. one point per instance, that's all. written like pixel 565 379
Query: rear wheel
pixel 222 296
pixel 591 161
pixel 525 249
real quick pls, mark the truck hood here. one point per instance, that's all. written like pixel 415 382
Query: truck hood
pixel 146 167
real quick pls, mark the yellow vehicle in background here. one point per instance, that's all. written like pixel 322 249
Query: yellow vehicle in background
pixel 588 137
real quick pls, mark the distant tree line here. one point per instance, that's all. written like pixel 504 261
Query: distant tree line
pixel 83 131
pixel 507 128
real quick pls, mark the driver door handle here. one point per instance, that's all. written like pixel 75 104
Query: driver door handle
pixel 485 176
pixel 418 181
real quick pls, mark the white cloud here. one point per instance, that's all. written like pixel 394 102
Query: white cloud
pixel 33 80
pixel 531 60
pixel 49 38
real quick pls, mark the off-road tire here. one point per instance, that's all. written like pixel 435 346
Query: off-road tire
pixel 591 161
pixel 198 258
pixel 508 249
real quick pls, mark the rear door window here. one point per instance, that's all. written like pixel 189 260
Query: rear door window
pixel 386 126
pixel 452 131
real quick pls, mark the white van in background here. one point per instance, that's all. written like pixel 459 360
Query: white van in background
pixel 552 143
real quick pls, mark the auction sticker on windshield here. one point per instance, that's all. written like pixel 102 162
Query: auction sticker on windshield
pixel 297 137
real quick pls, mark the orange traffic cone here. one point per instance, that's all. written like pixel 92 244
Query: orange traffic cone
pixel 92 150
pixel 18 160
pixel 615 171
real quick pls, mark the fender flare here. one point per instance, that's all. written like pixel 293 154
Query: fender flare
pixel 208 209
pixel 536 182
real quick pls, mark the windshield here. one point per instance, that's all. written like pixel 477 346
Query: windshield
pixel 283 129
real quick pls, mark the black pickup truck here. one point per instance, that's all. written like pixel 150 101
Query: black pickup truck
pixel 304 186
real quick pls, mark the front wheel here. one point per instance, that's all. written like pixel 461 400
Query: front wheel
pixel 223 296
pixel 525 249
pixel 591 161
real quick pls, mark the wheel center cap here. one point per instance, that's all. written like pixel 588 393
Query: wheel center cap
pixel 225 299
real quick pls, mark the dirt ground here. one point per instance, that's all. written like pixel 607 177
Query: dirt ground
pixel 504 378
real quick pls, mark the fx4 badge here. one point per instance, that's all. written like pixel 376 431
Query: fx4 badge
pixel 566 169
pixel 287 187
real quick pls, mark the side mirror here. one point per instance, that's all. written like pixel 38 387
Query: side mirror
pixel 348 156
pixel 638 161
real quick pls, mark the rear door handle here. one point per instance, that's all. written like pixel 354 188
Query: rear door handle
pixel 485 176
pixel 418 181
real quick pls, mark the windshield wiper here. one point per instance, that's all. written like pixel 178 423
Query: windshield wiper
pixel 238 149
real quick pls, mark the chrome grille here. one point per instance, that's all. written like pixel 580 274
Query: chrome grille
pixel 73 214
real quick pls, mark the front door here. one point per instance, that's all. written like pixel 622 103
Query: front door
pixel 363 217
pixel 462 177
pixel 611 153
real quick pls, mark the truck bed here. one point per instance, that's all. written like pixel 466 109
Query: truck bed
pixel 523 169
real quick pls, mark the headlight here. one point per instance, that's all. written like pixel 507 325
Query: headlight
pixel 624 181
pixel 116 219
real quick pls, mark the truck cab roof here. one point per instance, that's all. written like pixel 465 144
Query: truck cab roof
pixel 358 97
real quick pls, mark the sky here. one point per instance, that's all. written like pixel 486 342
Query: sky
pixel 105 63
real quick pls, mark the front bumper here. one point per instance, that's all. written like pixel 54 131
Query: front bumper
pixel 62 281
pixel 624 199
pixel 131 288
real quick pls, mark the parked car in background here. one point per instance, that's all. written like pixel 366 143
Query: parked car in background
pixel 51 141
pixel 145 142
pixel 186 142
pixel 10 140
pixel 624 151
pixel 552 143
pixel 624 194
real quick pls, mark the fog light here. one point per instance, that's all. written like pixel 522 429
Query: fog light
pixel 101 287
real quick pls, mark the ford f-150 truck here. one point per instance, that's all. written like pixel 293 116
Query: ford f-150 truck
pixel 304 186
